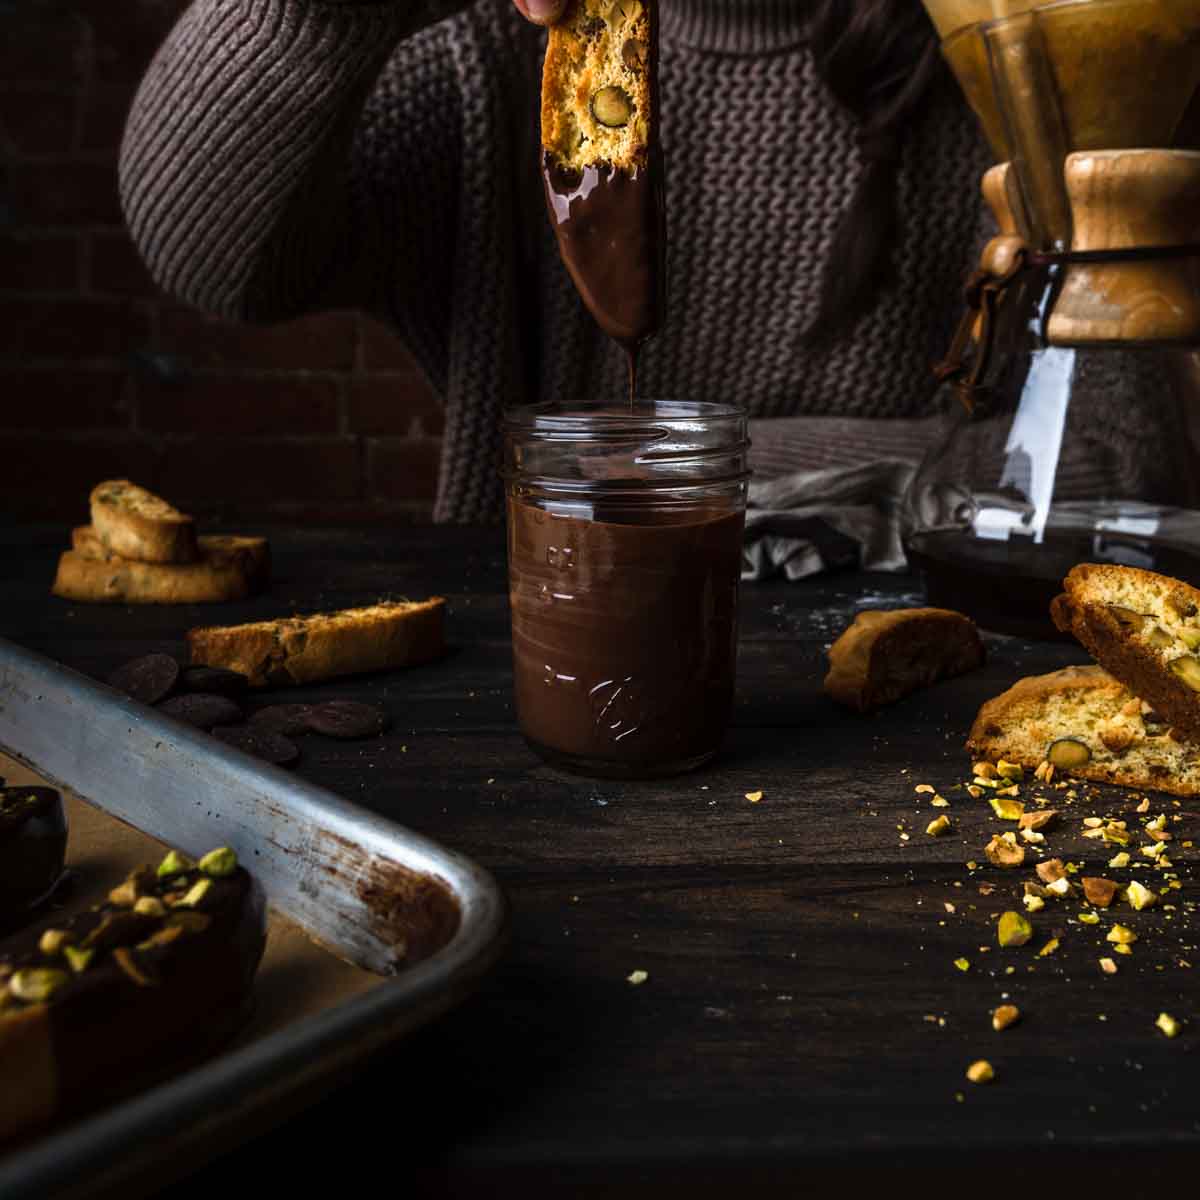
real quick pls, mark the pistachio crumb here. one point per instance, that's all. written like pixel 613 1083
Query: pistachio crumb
pixel 981 1072
pixel 938 826
pixel 1167 1024
pixel 637 978
pixel 1108 966
pixel 1004 1016
pixel 963 964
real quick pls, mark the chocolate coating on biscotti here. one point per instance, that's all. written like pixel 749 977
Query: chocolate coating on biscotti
pixel 33 846
pixel 127 993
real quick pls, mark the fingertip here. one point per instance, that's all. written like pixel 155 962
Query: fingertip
pixel 541 12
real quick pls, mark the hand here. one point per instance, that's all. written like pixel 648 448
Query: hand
pixel 541 12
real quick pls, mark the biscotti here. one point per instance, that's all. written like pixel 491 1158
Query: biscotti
pixel 887 654
pixel 129 992
pixel 251 555
pixel 33 846
pixel 136 524
pixel 597 90
pixel 118 580
pixel 1087 724
pixel 325 645
pixel 1144 629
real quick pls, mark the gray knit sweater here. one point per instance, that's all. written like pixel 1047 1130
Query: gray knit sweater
pixel 284 156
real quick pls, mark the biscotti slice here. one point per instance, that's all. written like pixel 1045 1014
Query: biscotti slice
pixel 1088 724
pixel 252 555
pixel 120 580
pixel 127 993
pixel 1143 628
pixel 137 524
pixel 597 89
pixel 887 653
pixel 291 650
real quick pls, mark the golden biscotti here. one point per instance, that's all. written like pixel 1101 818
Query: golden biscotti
pixel 1087 724
pixel 118 580
pixel 1144 629
pixel 597 85
pixel 325 645
pixel 886 654
pixel 138 525
pixel 251 555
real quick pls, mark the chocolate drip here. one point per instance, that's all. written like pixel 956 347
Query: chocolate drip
pixel 610 227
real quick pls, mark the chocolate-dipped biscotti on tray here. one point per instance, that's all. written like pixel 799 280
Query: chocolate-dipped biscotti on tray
pixel 33 846
pixel 128 992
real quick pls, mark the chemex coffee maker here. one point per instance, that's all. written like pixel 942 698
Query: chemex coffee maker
pixel 1073 383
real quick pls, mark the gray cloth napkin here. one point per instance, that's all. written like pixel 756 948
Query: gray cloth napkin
pixel 826 493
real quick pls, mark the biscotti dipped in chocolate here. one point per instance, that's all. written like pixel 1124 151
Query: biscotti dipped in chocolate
pixel 1144 629
pixel 290 650
pixel 1085 723
pixel 139 525
pixel 887 654
pixel 129 992
pixel 602 164
pixel 33 846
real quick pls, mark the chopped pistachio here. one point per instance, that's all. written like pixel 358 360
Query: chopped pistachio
pixel 194 894
pixel 77 958
pixel 1121 936
pixel 1108 966
pixel 1050 870
pixel 174 863
pixel 1006 809
pixel 983 770
pixel 1167 1024
pixel 938 826
pixel 1033 903
pixel 35 984
pixel 219 862
pixel 53 940
pixel 1032 837
pixel 1002 851
pixel 962 964
pixel 1140 897
pixel 940 802
pixel 1010 770
pixel 1122 948
pixel 1060 887
pixel 1068 753
pixel 1119 860
pixel 1048 948
pixel 981 1072
pixel 1040 819
pixel 1089 918
pixel 924 789
pixel 1004 1016
pixel 637 977
pixel 1099 892
pixel 150 906
pixel 1013 930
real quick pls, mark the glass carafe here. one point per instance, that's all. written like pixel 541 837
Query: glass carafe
pixel 1072 435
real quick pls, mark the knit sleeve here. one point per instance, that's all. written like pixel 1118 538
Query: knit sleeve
pixel 234 167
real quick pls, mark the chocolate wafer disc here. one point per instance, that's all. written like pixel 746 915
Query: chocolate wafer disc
pixel 212 679
pixel 202 710
pixel 149 679
pixel 347 719
pixel 291 720
pixel 262 743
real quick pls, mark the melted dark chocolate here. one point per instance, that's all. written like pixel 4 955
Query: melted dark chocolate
pixel 624 635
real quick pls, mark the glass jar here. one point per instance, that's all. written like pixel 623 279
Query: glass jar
pixel 624 558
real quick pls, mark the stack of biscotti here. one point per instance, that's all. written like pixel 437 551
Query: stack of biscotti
pixel 1132 720
pixel 141 550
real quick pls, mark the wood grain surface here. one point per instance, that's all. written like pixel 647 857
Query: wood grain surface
pixel 802 1010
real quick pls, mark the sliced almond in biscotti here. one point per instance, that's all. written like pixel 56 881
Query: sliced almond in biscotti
pixel 138 525
pixel 886 654
pixel 1089 725
pixel 322 646
pixel 1144 629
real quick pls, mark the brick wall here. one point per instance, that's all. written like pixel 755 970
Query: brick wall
pixel 324 418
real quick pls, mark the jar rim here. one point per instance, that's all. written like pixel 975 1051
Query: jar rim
pixel 605 417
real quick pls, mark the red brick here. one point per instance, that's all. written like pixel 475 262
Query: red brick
pixel 395 404
pixel 239 405
pixel 34 263
pixel 37 122
pixel 382 350
pixel 42 48
pixel 117 267
pixel 63 399
pixel 404 470
pixel 71 328
pixel 104 116
pixel 322 342
pixel 208 473
pixel 72 193
pixel 50 477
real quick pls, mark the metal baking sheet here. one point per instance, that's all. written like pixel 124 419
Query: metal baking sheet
pixel 380 896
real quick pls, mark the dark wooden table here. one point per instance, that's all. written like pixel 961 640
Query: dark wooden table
pixel 802 1011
